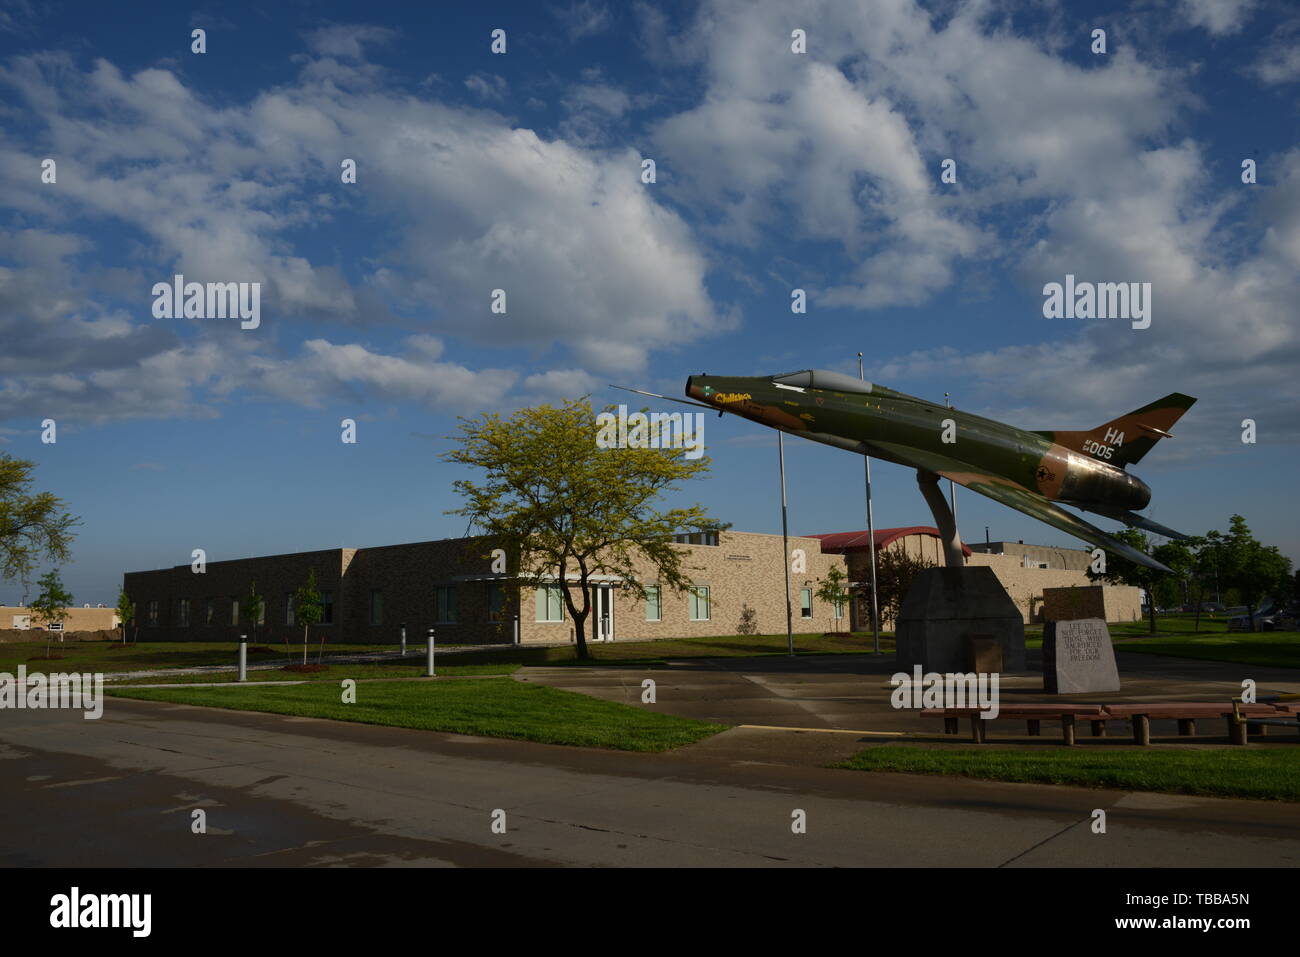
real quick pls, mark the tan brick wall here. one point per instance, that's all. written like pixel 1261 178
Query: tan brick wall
pixel 1113 603
pixel 1026 585
pixel 744 568
pixel 76 619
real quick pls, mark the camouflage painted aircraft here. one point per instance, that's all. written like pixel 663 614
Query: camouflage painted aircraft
pixel 1033 472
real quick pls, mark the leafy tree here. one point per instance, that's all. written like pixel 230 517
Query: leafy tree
pixel 253 605
pixel 308 608
pixel 896 570
pixel 1121 571
pixel 125 611
pixel 832 590
pixel 31 525
pixel 1254 570
pixel 51 604
pixel 748 624
pixel 559 505
pixel 1180 556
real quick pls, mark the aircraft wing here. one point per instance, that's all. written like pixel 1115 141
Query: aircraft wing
pixel 1008 493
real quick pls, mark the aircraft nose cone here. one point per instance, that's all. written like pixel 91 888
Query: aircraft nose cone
pixel 1140 492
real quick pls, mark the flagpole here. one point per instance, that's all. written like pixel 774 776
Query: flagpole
pixel 952 486
pixel 871 534
pixel 785 545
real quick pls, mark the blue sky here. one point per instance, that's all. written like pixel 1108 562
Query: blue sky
pixel 521 171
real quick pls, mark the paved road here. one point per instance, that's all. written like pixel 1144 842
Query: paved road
pixel 297 791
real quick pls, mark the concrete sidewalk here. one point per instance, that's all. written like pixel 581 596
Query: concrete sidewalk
pixel 851 692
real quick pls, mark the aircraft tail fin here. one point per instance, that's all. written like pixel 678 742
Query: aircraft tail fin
pixel 1126 439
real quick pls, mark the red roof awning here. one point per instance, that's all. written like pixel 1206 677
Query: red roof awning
pixel 840 543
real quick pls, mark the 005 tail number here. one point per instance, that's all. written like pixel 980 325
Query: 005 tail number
pixel 1097 449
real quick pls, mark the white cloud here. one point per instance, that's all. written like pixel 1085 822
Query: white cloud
pixel 487 86
pixel 1219 17
pixel 585 18
pixel 595 268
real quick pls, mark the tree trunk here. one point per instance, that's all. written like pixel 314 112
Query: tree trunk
pixel 1151 609
pixel 580 635
pixel 1250 612
pixel 304 644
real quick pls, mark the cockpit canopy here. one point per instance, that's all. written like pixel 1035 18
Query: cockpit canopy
pixel 821 379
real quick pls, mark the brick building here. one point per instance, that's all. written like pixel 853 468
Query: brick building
pixel 368 593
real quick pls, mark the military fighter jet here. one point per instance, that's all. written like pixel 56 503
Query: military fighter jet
pixel 1033 472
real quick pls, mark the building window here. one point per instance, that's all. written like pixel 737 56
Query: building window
pixel 183 613
pixel 653 611
pixel 699 601
pixel 376 607
pixel 234 611
pixel 288 608
pixel 496 601
pixel 839 610
pixel 209 608
pixel 444 605
pixel 261 613
pixel 696 538
pixel 327 608
pixel 805 602
pixel 550 603
pixel 153 612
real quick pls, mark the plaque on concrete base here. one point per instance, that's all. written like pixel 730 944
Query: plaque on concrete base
pixel 947 605
pixel 1078 657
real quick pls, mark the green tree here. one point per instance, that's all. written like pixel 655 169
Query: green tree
pixel 32 526
pixel 1256 571
pixel 832 590
pixel 51 604
pixel 564 509
pixel 253 605
pixel 1121 571
pixel 1180 556
pixel 125 611
pixel 895 572
pixel 308 608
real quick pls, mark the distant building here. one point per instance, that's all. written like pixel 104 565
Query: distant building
pixel 20 617
pixel 1025 571
pixel 1039 556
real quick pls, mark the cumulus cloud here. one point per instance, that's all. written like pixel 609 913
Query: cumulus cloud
pixel 594 268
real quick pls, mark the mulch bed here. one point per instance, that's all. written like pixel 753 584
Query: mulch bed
pixel 47 658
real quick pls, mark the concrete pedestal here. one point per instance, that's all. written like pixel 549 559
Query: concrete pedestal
pixel 943 607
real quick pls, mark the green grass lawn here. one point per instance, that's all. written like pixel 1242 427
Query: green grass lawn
pixel 1271 773
pixel 109 656
pixel 499 708
pixel 1262 649
pixel 411 667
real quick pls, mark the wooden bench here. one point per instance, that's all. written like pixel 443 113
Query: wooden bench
pixel 1140 715
pixel 1033 714
pixel 1186 713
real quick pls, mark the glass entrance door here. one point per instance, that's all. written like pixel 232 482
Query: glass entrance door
pixel 604 610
